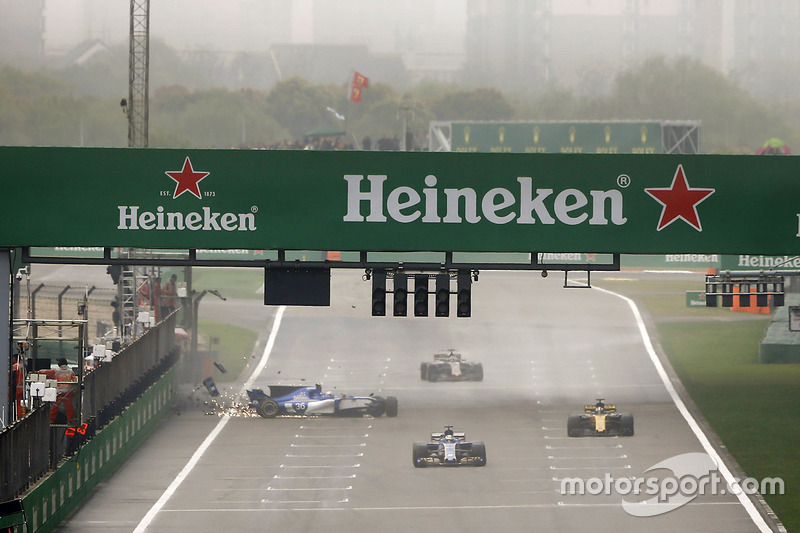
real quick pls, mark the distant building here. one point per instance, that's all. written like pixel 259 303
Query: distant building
pixel 582 44
pixel 423 38
pixel 22 33
pixel 517 45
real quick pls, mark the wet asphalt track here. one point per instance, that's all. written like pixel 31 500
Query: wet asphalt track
pixel 546 351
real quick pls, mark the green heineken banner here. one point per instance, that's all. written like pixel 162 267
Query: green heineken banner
pixel 557 137
pixel 760 262
pixel 400 201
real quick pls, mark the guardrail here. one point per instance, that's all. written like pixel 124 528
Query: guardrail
pixel 109 380
pixel 30 448
pixel 24 452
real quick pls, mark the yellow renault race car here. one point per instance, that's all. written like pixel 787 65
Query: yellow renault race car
pixel 600 420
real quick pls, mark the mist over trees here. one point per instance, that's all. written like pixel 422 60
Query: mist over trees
pixel 80 106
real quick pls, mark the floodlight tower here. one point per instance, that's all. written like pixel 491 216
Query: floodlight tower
pixel 137 108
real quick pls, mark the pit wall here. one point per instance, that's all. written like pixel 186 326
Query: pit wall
pixel 65 490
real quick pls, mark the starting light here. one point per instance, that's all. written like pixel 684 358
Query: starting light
pixel 442 295
pixel 421 295
pixel 400 294
pixel 464 294
pixel 379 293
pixel 730 287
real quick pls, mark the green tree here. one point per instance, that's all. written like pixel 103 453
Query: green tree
pixel 478 104
pixel 214 118
pixel 300 106
pixel 687 89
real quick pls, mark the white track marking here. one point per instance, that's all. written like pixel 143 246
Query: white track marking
pixel 421 507
pixel 360 444
pixel 317 489
pixel 320 466
pixel 748 505
pixel 351 476
pixel 198 454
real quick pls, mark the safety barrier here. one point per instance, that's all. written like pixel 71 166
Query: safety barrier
pixel 104 384
pixel 24 453
pixel 29 448
pixel 52 500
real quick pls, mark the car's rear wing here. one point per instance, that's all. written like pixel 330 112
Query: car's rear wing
pixel 435 437
pixel 446 356
pixel 608 408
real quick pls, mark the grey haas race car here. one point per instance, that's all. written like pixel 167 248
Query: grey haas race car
pixel 450 367
pixel 449 448
pixel 600 420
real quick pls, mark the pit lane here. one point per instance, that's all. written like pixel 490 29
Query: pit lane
pixel 546 351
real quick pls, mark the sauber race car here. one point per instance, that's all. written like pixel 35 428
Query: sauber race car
pixel 449 448
pixel 600 420
pixel 303 400
pixel 451 367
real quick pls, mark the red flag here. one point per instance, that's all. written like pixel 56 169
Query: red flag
pixel 359 80
pixel 355 93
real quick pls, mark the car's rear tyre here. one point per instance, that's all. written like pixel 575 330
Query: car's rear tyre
pixel 479 453
pixel 268 408
pixel 433 373
pixel 390 406
pixel 477 372
pixel 423 371
pixel 376 408
pixel 626 425
pixel 419 455
pixel 574 426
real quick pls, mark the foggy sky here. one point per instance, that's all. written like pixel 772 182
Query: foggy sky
pixel 385 26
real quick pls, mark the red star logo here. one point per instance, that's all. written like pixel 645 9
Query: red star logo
pixel 186 179
pixel 679 201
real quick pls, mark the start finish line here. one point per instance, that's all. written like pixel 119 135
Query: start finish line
pixel 400 201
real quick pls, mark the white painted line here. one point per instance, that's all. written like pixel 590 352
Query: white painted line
pixel 549 491
pixel 334 427
pixel 351 476
pixel 748 505
pixel 360 444
pixel 528 479
pixel 331 436
pixel 626 467
pixel 423 507
pixel 198 454
pixel 559 480
pixel 515 468
pixel 289 501
pixel 571 457
pixel 320 466
pixel 548 447
pixel 562 504
pixel 316 455
pixel 275 489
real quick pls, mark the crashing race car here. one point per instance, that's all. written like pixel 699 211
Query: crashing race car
pixel 449 448
pixel 600 420
pixel 450 367
pixel 303 400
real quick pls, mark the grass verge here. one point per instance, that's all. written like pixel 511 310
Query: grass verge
pixel 241 282
pixel 751 406
pixel 234 346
